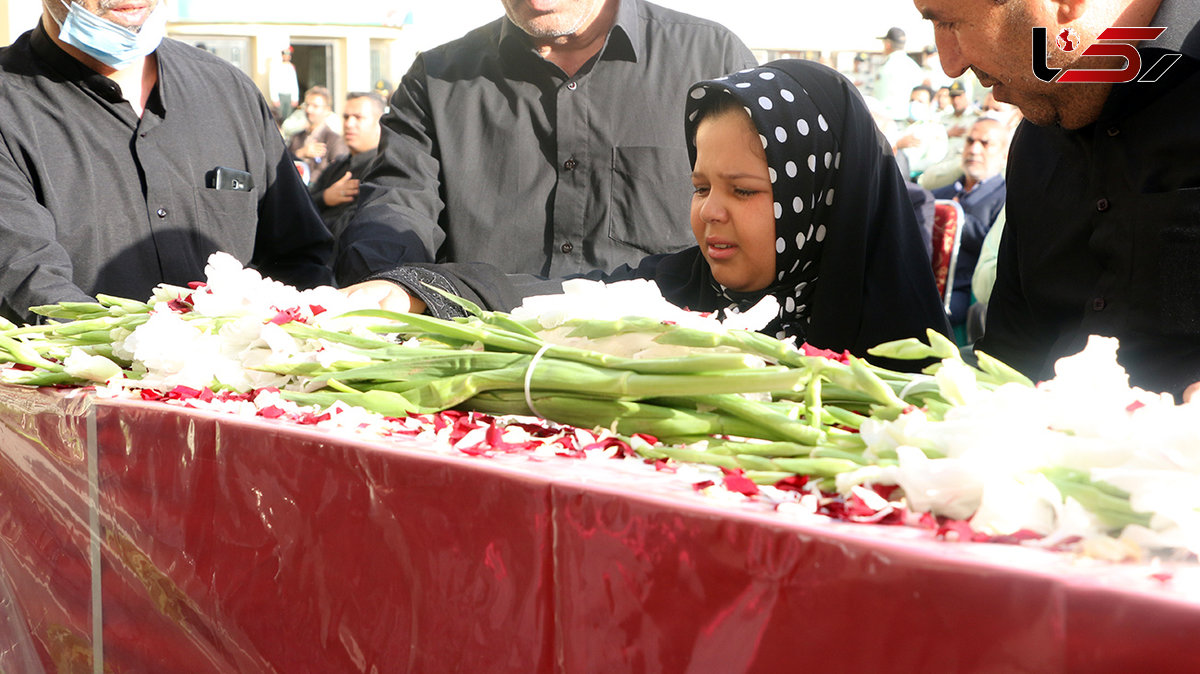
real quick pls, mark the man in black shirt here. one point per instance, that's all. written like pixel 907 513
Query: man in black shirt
pixel 547 142
pixel 110 141
pixel 335 192
pixel 1103 229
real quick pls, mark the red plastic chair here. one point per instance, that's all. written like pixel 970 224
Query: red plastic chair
pixel 947 236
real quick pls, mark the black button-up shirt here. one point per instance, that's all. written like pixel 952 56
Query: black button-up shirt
pixel 492 154
pixel 94 199
pixel 1103 231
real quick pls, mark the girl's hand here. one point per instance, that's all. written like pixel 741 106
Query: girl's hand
pixel 390 296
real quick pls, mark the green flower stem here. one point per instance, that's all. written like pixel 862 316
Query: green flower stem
pixel 622 416
pixel 1109 504
pixel 828 467
pixel 24 354
pixel 773 425
pixel 767 477
pixel 687 455
pixel 766 449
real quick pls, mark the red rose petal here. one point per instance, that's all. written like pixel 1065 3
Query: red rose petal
pixel 271 412
pixel 183 393
pixel 623 448
pixel 794 483
pixel 310 419
pixel 736 481
pixel 809 350
pixel 885 490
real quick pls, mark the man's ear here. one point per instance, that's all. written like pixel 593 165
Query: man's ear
pixel 1069 11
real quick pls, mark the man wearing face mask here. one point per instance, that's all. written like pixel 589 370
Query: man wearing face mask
pixel 126 159
pixel 924 140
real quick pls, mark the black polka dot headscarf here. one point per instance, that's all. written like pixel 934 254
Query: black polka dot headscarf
pixel 803 160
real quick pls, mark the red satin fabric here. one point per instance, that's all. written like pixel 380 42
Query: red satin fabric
pixel 246 545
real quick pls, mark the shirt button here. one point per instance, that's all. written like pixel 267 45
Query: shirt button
pixel 1102 205
pixel 162 212
pixel 570 164
pixel 1112 131
pixel 1098 304
pixel 572 85
pixel 567 247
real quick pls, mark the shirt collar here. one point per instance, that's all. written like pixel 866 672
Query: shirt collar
pixel 1183 30
pixel 985 185
pixel 75 71
pixel 624 38
pixel 71 68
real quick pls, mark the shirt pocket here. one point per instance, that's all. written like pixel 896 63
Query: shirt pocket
pixel 1167 263
pixel 227 220
pixel 649 198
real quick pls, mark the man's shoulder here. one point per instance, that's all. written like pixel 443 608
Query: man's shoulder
pixel 994 188
pixel 17 59
pixel 945 191
pixel 192 61
pixel 479 43
pixel 665 17
pixel 901 60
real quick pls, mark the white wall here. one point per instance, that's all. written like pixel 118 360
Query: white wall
pixel 16 17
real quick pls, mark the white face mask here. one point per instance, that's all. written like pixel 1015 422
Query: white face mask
pixel 918 111
pixel 115 46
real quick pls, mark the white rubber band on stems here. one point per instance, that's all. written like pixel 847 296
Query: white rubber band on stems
pixel 529 378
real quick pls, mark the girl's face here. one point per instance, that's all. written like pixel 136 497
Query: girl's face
pixel 733 209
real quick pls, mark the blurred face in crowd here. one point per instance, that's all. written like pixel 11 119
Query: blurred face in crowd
pixel 959 103
pixel 360 124
pixel 733 213
pixel 1007 113
pixel 993 39
pixel 316 108
pixel 919 108
pixel 942 99
pixel 550 19
pixel 985 150
pixel 126 13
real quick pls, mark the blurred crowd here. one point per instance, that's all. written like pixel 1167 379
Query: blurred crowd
pixel 950 137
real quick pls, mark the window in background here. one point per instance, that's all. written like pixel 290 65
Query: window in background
pixel 235 50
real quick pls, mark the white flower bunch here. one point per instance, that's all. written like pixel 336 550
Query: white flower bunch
pixel 584 299
pixel 998 446
pixel 244 335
